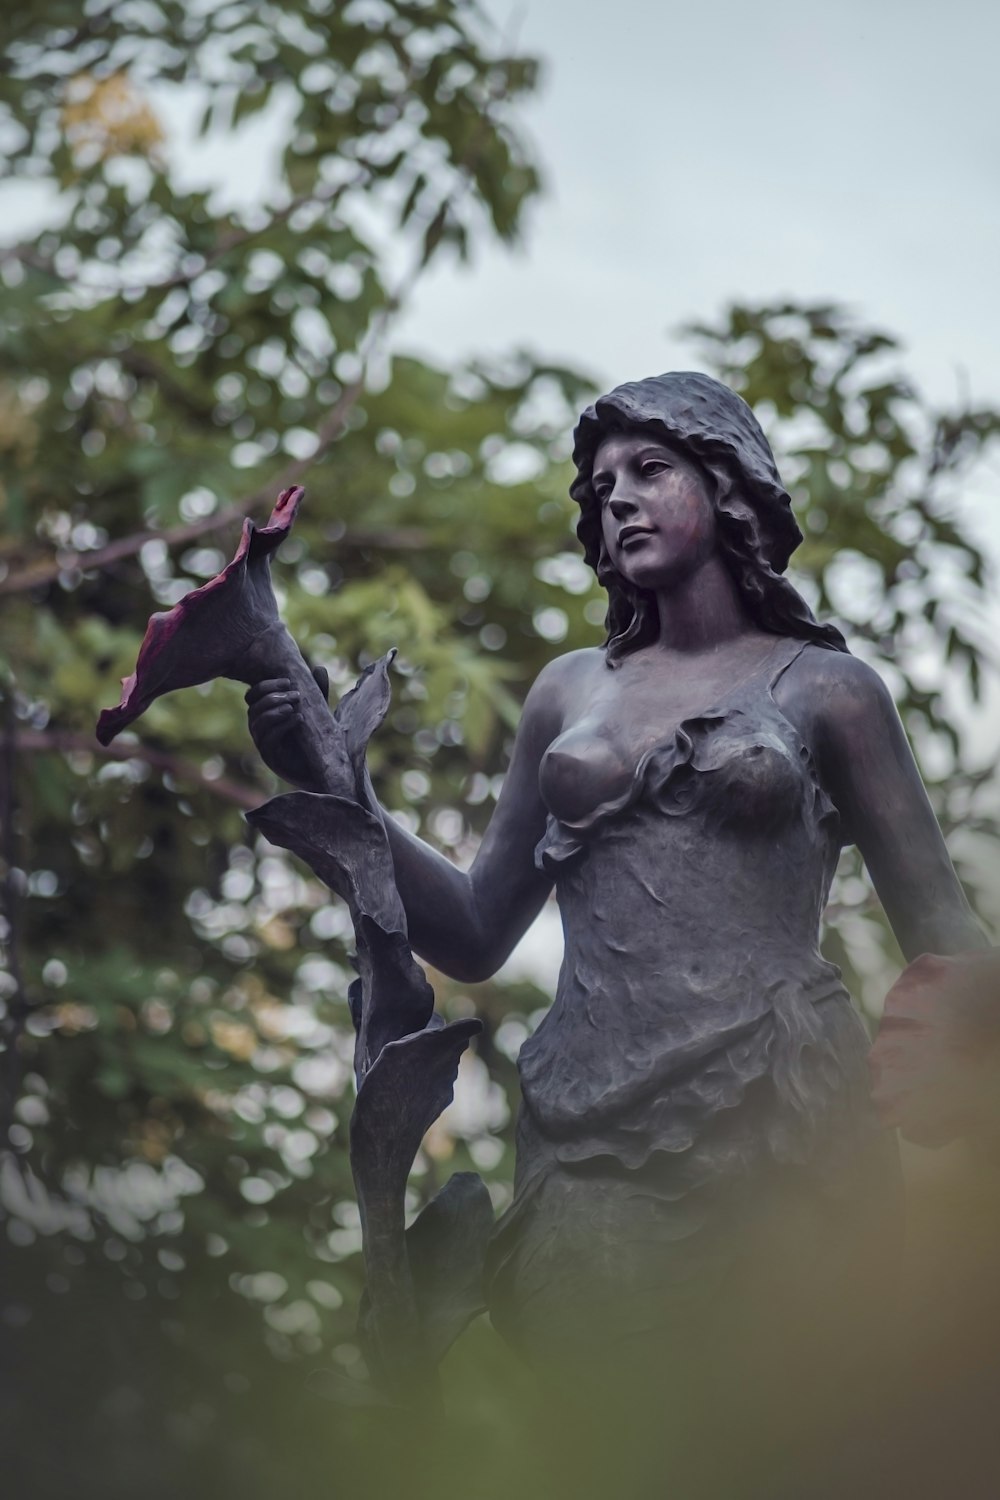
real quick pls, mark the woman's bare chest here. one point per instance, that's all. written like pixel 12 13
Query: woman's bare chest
pixel 614 722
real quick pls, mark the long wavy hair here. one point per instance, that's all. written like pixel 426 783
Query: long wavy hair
pixel 716 430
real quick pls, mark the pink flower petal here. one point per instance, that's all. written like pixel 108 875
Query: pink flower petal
pixel 203 635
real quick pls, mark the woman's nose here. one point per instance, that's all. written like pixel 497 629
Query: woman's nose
pixel 621 505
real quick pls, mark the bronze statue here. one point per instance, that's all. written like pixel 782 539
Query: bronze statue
pixel 704 1200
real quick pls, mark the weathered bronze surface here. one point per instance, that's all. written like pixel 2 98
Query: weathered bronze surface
pixel 700 1171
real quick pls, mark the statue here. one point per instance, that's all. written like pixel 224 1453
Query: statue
pixel 706 1209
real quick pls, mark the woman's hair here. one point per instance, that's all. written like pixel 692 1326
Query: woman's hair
pixel 716 430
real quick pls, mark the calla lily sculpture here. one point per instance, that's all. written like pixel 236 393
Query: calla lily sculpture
pixel 217 630
pixel 230 627
pixel 423 1283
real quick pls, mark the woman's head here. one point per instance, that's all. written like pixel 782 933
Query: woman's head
pixel 691 435
pixel 658 523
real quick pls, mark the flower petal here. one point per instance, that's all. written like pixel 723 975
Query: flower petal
pixel 361 711
pixel 347 848
pixel 204 635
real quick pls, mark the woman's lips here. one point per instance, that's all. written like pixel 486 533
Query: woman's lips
pixel 632 534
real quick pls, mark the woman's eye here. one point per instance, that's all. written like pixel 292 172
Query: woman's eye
pixel 652 467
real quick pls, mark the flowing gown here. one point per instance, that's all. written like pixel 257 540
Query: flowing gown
pixel 702 1192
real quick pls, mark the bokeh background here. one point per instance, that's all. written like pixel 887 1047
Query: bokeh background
pixel 389 248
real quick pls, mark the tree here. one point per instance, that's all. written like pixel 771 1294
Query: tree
pixel 177 1038
pixel 176 1033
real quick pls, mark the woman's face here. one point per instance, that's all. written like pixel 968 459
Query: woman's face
pixel 656 514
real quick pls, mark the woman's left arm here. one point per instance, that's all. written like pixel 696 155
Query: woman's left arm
pixel 846 715
pixel 934 1060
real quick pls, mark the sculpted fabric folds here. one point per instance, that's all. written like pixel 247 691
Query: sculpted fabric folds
pixel 698 1038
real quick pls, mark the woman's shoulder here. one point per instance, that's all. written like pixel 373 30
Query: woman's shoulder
pixel 838 673
pixel 572 666
pixel 568 670
pixel 827 690
pixel 560 682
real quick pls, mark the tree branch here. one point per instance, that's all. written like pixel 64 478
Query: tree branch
pixel 128 546
pixel 64 742
pixel 326 194
pixel 396 539
pixel 138 363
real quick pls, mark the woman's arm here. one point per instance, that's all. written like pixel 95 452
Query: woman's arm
pixel 847 716
pixel 464 923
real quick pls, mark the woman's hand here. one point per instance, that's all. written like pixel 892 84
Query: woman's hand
pixel 935 1065
pixel 277 727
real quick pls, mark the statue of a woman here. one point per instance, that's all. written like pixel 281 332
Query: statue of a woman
pixel 704 1208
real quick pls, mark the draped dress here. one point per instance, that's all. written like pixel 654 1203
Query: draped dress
pixel 698 1164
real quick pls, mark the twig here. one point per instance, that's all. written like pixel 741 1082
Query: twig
pixel 87 29
pixel 327 194
pixel 64 742
pixel 48 571
pixel 140 364
pixel 128 546
pixel 395 539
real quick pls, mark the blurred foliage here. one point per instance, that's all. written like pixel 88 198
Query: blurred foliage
pixel 180 1222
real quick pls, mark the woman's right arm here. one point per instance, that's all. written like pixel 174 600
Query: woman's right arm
pixel 465 923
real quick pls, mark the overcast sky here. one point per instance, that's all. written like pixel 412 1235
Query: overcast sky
pixel 699 154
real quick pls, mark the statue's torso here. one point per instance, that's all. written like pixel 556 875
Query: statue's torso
pixel 692 862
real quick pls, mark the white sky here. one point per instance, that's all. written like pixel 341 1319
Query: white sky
pixel 699 154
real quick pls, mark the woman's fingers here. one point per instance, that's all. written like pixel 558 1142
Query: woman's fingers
pixel 266 719
pixel 269 727
pixel 258 712
pixel 273 714
pixel 269 738
pixel 269 685
pixel 321 677
pixel 272 700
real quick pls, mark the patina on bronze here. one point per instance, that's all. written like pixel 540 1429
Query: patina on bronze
pixel 704 1201
pixel 706 1210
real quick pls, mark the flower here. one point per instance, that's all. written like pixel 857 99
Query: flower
pixel 210 632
